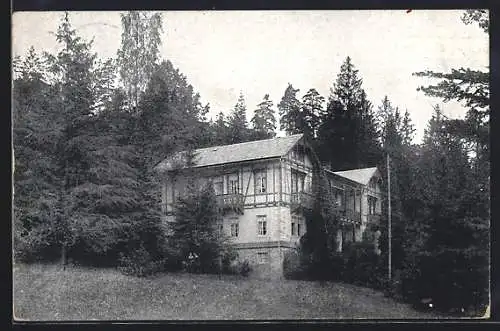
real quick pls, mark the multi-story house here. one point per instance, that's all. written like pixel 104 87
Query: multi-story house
pixel 261 187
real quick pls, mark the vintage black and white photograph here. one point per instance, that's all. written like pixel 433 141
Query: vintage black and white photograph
pixel 250 165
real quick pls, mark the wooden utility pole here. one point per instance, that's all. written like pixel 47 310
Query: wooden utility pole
pixel 389 234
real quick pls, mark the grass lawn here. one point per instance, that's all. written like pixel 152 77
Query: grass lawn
pixel 46 292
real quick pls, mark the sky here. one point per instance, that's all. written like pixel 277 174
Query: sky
pixel 223 53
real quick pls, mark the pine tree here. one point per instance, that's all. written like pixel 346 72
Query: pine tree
pixel 72 75
pixel 408 129
pixel 445 190
pixel 104 84
pixel 169 116
pixel 220 130
pixel 169 119
pixel 263 121
pixel 291 120
pixel 89 194
pixel 369 148
pixel 139 52
pixel 471 87
pixel 195 236
pixel 479 16
pixel 35 181
pixel 348 124
pixel 237 122
pixel 394 146
pixel 312 110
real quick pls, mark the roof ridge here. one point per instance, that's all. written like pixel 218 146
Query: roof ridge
pixel 355 169
pixel 248 142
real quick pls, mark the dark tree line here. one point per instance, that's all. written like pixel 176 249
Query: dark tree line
pixel 439 188
pixel 85 147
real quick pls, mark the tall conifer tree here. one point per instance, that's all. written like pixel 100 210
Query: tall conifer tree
pixel 264 121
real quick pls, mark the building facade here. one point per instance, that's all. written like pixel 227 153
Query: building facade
pixel 261 187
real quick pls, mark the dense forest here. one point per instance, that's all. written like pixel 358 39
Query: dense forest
pixel 87 133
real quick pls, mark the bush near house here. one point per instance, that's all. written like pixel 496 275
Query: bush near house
pixel 450 279
pixel 140 263
pixel 242 268
pixel 357 264
pixel 293 265
pixel 360 265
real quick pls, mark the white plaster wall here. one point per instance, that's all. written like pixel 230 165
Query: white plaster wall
pixel 248 224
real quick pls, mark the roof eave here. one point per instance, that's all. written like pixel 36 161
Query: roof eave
pixel 228 163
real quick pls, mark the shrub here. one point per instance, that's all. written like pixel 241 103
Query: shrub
pixel 31 246
pixel 293 265
pixel 455 280
pixel 140 263
pixel 360 265
pixel 229 256
pixel 244 268
pixel 211 259
pixel 337 266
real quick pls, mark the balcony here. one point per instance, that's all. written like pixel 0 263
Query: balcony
pixel 232 202
pixel 349 216
pixel 301 200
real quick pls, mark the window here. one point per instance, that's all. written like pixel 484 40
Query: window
pixel 261 182
pixel 235 228
pixel 339 194
pixel 298 155
pixel 263 257
pixel 233 184
pixel 294 182
pixel 261 225
pixel 219 187
pixel 372 204
pixel 298 180
pixel 296 222
pixel 220 228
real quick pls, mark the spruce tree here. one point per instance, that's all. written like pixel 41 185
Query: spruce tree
pixel 169 116
pixel 88 196
pixel 291 116
pixel 348 124
pixel 219 130
pixel 456 232
pixel 263 121
pixel 72 76
pixel 34 173
pixel 392 139
pixel 465 208
pixel 237 122
pixel 195 235
pixel 312 110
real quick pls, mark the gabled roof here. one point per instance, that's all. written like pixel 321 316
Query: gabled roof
pixel 252 150
pixel 361 176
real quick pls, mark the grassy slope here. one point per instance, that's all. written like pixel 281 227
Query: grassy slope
pixel 46 292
